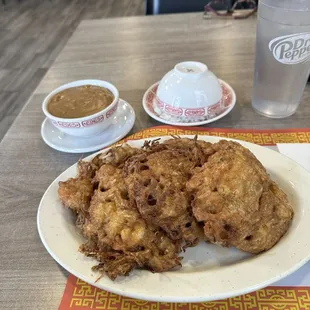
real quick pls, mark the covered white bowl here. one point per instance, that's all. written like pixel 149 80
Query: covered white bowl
pixel 190 90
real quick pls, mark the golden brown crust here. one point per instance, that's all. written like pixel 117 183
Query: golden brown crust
pixel 119 238
pixel 76 194
pixel 138 208
pixel 115 222
pixel 238 203
pixel 156 180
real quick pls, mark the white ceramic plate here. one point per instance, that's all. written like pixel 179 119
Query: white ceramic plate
pixel 228 102
pixel 122 123
pixel 209 272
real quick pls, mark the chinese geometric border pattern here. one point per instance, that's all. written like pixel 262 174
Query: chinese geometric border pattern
pixel 79 295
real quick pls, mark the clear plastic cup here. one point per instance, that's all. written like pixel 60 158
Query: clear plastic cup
pixel 282 61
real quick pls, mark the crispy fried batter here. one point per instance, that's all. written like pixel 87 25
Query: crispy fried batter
pixel 109 177
pixel 120 237
pixel 238 203
pixel 139 207
pixel 156 180
pixel 76 194
pixel 117 156
pixel 163 204
pixel 199 149
pixel 113 263
pixel 86 169
pixel 117 235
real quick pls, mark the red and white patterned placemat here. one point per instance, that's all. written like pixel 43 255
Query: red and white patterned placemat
pixel 79 295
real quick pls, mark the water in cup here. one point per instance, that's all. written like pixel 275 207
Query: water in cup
pixel 282 61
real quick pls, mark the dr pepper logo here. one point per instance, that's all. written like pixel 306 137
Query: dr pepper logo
pixel 291 49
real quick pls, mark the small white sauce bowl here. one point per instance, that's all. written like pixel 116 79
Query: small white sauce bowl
pixel 189 90
pixel 89 125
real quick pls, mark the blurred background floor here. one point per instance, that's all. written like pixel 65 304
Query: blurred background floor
pixel 32 33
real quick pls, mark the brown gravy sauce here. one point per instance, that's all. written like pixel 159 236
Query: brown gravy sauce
pixel 79 101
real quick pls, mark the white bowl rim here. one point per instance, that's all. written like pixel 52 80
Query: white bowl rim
pixel 100 83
